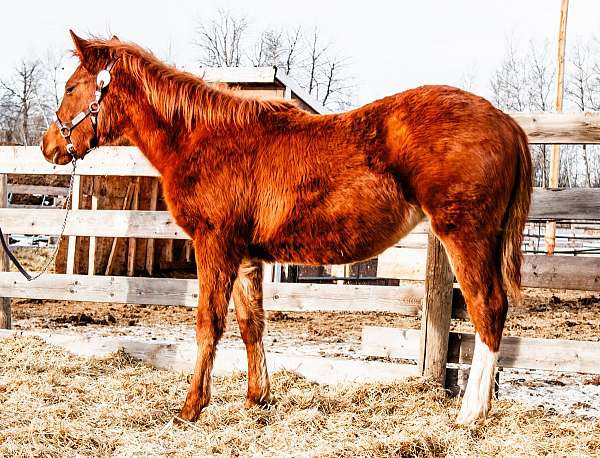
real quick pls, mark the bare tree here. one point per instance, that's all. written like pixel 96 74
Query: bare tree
pixel 580 91
pixel 468 80
pixel 226 41
pixel 293 40
pixel 269 49
pixel 337 86
pixel 220 40
pixel 523 82
pixel 508 83
pixel 23 97
pixel 52 65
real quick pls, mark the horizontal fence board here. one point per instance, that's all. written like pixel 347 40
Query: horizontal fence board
pixel 515 352
pixel 560 128
pixel 402 263
pixel 288 297
pixel 181 357
pixel 405 300
pixel 109 223
pixel 565 203
pixel 99 223
pixel 37 189
pixel 543 354
pixel 562 272
pixel 106 160
pixel 385 342
pixel 564 128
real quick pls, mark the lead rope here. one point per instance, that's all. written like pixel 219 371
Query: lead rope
pixel 52 258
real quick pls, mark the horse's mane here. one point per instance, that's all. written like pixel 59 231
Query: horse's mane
pixel 178 94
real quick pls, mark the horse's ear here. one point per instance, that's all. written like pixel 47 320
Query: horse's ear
pixel 116 38
pixel 89 55
pixel 81 46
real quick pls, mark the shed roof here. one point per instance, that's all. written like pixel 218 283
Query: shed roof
pixel 261 75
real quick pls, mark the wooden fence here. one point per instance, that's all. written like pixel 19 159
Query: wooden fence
pixel 433 347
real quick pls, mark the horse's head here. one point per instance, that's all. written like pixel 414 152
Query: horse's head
pixel 83 120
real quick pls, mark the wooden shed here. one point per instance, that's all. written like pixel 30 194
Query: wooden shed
pixel 118 256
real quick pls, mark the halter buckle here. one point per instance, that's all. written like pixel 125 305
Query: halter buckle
pixel 65 131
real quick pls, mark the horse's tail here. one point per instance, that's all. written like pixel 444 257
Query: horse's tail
pixel 515 219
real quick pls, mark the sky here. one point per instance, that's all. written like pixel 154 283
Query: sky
pixel 391 45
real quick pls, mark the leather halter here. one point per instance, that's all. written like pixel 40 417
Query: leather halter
pixel 65 128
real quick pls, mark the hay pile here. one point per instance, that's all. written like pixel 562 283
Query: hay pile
pixel 55 404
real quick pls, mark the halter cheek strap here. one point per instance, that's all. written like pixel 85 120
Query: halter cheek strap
pixel 66 128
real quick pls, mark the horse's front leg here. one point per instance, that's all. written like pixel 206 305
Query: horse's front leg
pixel 217 270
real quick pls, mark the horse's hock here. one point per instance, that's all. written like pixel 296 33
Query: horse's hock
pixel 132 233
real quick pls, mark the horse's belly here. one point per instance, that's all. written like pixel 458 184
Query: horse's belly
pixel 342 238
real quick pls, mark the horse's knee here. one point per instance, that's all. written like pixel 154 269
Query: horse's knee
pixel 210 325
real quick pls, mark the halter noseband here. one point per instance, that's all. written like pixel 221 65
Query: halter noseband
pixel 65 128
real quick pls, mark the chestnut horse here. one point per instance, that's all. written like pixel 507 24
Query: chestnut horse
pixel 260 181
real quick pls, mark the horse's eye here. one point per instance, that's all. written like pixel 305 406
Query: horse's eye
pixel 70 90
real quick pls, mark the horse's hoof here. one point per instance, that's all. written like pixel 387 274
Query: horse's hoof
pixel 250 402
pixel 470 417
pixel 187 416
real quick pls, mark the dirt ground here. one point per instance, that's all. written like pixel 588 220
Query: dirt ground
pixel 55 404
pixel 118 406
pixel 543 314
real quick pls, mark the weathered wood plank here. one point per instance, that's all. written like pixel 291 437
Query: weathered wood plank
pixel 300 297
pixel 113 246
pixel 37 190
pixel 236 75
pixel 100 223
pixel 515 352
pixel 402 263
pixel 92 247
pixel 560 128
pixel 437 311
pixel 106 160
pixel 5 312
pixel 291 297
pixel 543 354
pixel 562 203
pixel 132 243
pixel 565 128
pixel 564 272
pixel 181 356
pixel 72 246
pixel 385 342
pixel 150 242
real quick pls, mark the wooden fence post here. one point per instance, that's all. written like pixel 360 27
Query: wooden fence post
pixel 150 242
pixel 92 247
pixel 437 312
pixel 72 247
pixel 550 237
pixel 5 318
pixel 132 240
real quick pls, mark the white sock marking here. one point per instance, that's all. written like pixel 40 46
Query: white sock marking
pixel 477 398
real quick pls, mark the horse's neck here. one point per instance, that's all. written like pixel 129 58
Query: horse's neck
pixel 162 142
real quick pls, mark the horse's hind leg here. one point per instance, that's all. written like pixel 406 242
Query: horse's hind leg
pixel 476 265
pixel 248 297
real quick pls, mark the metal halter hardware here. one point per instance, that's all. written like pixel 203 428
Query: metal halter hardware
pixel 65 128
